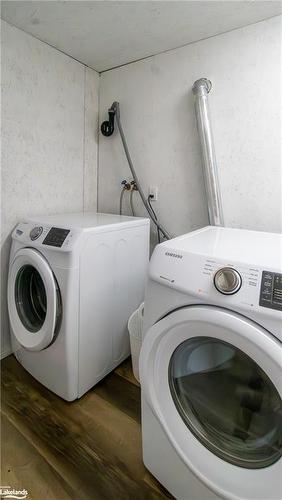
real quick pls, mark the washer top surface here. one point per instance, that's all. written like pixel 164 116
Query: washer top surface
pixel 65 232
pixel 238 245
pixel 87 220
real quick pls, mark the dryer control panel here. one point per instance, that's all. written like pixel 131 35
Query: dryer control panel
pixel 271 290
pixel 236 285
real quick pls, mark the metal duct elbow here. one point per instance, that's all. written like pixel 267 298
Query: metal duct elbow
pixel 201 89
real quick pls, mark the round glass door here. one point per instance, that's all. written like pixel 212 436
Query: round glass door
pixel 34 300
pixel 227 401
pixel 30 298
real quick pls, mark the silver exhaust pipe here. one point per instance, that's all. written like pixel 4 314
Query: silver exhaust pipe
pixel 201 89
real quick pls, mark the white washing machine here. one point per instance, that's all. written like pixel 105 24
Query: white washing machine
pixel 73 282
pixel 211 365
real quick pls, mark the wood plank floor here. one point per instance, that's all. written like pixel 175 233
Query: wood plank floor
pixel 88 449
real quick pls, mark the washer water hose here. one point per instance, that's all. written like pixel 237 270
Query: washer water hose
pixel 131 202
pixel 107 128
pixel 121 200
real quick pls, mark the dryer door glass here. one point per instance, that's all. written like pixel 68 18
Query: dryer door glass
pixel 30 298
pixel 227 401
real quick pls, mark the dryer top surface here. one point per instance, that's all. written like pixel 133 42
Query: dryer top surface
pixel 238 245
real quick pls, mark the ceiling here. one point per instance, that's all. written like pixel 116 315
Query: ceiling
pixel 106 34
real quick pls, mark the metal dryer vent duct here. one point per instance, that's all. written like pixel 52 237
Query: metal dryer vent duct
pixel 201 89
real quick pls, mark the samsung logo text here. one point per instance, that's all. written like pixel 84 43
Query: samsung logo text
pixel 175 255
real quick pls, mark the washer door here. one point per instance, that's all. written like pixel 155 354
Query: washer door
pixel 34 300
pixel 213 380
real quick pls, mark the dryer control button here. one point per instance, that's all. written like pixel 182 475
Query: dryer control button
pixel 227 280
pixel 35 232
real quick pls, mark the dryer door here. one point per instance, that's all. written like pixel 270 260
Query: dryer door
pixel 213 379
pixel 34 300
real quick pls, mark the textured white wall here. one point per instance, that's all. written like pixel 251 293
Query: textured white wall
pixel 49 127
pixel 157 112
pixel 49 137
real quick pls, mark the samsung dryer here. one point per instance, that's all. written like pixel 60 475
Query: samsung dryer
pixel 73 282
pixel 211 365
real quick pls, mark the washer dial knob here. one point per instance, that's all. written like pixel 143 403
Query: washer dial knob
pixel 227 280
pixel 36 232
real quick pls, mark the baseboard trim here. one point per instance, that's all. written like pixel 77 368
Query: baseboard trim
pixel 6 352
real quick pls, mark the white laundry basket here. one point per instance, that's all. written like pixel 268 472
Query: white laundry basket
pixel 135 325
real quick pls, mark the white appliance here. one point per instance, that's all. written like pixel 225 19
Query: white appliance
pixel 211 373
pixel 73 282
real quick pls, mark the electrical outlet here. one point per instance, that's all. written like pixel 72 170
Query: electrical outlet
pixel 153 193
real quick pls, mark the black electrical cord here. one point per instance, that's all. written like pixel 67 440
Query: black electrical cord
pixel 158 231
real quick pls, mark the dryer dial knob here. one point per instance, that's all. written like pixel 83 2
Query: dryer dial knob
pixel 227 280
pixel 36 232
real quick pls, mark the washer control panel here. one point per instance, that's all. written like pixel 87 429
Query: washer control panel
pixel 227 280
pixel 56 237
pixel 35 235
pixel 271 290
